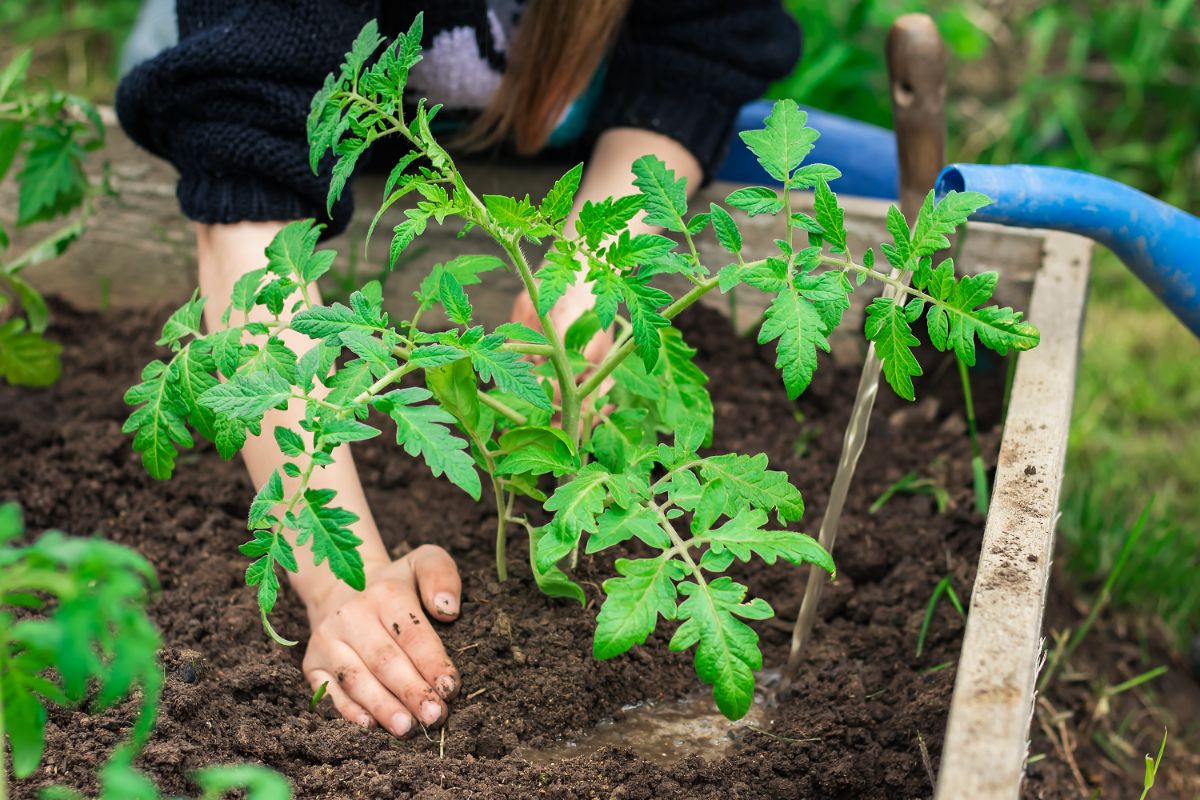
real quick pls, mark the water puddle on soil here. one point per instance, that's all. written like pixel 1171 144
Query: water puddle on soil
pixel 664 733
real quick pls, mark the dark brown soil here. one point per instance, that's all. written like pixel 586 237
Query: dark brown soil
pixel 864 702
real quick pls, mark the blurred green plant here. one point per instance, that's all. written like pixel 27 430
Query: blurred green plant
pixel 76 42
pixel 1110 88
pixel 49 133
pixel 88 637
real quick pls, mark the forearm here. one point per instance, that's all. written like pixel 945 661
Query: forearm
pixel 225 253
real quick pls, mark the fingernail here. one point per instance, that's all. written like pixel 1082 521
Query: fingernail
pixel 446 603
pixel 365 721
pixel 431 712
pixel 446 686
pixel 401 723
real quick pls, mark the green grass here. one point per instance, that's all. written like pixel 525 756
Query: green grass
pixel 1134 433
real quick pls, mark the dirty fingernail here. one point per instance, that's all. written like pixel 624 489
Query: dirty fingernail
pixel 446 686
pixel 365 721
pixel 430 713
pixel 446 603
pixel 401 723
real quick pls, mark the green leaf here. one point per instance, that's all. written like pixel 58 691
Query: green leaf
pixel 454 300
pixel 510 372
pixel 185 321
pixel 516 215
pixel 755 200
pixel 291 253
pixel 644 301
pixel 807 176
pixel 749 482
pixel 798 326
pixel 373 351
pixel 248 396
pixel 619 525
pixel 27 358
pixel 664 197
pixel 335 431
pixel 888 327
pixel 632 251
pixel 188 377
pixel 260 783
pixel 936 222
pixel 575 505
pixel 744 536
pixel 536 450
pixel 158 424
pixel 435 355
pixel 553 581
pixel 555 276
pixel 634 602
pixel 558 201
pixel 465 269
pixel 726 229
pixel 783 143
pixel 599 220
pixel 830 217
pixel 423 431
pixel 727 649
pixel 328 528
pixel 52 180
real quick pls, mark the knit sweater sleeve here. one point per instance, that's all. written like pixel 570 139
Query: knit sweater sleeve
pixel 684 68
pixel 227 105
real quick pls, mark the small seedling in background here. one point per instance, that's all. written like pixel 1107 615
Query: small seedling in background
pixel 912 483
pixel 1152 765
pixel 982 498
pixel 49 133
pixel 943 587
pixel 486 409
pixel 318 696
pixel 92 640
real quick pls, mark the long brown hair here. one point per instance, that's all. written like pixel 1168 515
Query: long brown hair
pixel 555 52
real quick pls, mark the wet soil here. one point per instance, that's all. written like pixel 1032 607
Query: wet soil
pixel 864 701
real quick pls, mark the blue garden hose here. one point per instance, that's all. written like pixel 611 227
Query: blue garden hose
pixel 1158 242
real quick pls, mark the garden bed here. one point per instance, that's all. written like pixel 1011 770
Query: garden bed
pixel 854 728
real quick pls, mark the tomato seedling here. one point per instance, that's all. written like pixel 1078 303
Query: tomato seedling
pixel 484 408
pixel 51 132
pixel 91 638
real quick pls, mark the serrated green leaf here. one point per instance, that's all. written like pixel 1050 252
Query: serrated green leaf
pixel 888 327
pixel 454 300
pixel 829 216
pixel 784 141
pixel 755 200
pixel 619 525
pixel 28 358
pixel 598 220
pixel 506 369
pixel 664 197
pixel 634 602
pixel 936 222
pixel 643 302
pixel 423 430
pixel 158 424
pixel 726 229
pixel 749 482
pixel 798 326
pixel 247 396
pixel 555 276
pixel 328 530
pixel 743 536
pixel 727 651
pixel 558 201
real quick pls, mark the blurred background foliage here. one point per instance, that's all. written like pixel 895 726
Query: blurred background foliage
pixel 1108 87
pixel 1113 89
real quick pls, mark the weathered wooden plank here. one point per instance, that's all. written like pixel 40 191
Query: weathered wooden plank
pixel 986 743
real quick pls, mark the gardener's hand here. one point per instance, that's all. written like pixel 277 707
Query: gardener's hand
pixel 376 649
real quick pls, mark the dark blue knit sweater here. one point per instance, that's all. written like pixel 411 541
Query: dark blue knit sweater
pixel 227 105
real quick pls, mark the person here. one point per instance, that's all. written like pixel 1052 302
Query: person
pixel 226 105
